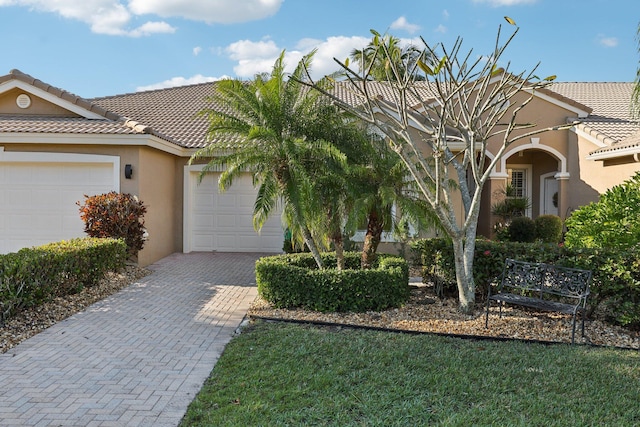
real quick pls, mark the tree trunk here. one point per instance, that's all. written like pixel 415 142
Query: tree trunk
pixel 311 244
pixel 463 253
pixel 371 240
pixel 339 246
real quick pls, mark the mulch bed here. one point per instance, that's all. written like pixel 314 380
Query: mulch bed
pixel 426 313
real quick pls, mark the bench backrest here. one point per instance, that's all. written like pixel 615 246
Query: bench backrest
pixel 546 279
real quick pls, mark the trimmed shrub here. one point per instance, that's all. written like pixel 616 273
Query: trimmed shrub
pixel 616 274
pixel 293 280
pixel 549 228
pixel 438 266
pixel 612 222
pixel 115 215
pixel 522 229
pixel 34 275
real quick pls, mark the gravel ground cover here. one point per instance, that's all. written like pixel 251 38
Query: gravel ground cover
pixel 34 320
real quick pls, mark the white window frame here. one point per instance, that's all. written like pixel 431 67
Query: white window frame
pixel 528 185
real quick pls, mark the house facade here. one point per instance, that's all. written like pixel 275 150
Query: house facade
pixel 56 147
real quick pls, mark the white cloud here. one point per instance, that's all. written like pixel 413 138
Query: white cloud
pixel 211 11
pixel 440 29
pixel 607 41
pixel 152 28
pixel 402 24
pixel 445 14
pixel 113 17
pixel 180 81
pixel 258 57
pixel 247 50
pixel 197 50
pixel 497 3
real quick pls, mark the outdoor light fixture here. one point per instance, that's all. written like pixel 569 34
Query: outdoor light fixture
pixel 128 171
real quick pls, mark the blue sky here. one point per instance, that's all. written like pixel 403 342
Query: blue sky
pixel 106 47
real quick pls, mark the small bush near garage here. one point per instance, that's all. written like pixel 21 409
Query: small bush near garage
pixel 115 215
pixel 293 280
pixel 34 275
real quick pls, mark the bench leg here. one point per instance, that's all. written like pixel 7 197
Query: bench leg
pixel 486 319
pixel 573 328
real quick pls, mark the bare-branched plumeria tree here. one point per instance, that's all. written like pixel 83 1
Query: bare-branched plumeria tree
pixel 443 127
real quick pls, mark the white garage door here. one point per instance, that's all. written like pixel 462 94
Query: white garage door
pixel 223 221
pixel 38 200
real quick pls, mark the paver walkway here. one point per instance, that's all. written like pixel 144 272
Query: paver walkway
pixel 137 358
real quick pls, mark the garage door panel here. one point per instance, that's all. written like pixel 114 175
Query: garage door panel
pixel 201 222
pixel 229 227
pixel 38 200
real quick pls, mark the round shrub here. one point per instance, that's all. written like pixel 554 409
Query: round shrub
pixel 293 280
pixel 115 215
pixel 522 229
pixel 549 228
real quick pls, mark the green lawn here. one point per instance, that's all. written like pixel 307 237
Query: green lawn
pixel 277 374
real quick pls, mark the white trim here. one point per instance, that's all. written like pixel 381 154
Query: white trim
pixel 95 139
pixel 561 158
pixel 187 206
pixel 612 154
pixel 54 99
pixel 41 157
pixel 528 168
pixel 589 137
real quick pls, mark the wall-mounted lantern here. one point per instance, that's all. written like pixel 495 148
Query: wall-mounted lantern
pixel 128 171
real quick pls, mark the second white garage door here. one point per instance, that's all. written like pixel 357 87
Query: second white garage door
pixel 222 222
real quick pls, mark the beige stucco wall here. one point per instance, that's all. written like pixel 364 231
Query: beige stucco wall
pixel 590 178
pixel 156 177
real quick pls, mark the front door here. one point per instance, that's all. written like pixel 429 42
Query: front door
pixel 550 198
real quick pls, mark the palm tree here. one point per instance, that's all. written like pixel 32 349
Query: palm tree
pixel 386 194
pixel 374 60
pixel 278 130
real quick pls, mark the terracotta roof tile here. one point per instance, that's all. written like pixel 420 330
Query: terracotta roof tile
pixel 610 121
pixel 79 125
pixel 172 112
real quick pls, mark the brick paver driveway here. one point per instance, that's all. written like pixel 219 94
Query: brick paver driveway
pixel 137 358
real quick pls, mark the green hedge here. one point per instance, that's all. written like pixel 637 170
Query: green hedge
pixel 293 280
pixel 616 274
pixel 34 275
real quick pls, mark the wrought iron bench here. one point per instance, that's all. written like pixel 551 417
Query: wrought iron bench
pixel 544 287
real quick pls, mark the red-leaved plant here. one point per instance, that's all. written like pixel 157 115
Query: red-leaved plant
pixel 115 215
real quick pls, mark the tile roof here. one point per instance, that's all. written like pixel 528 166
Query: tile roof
pixel 610 121
pixel 172 113
pixel 78 125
